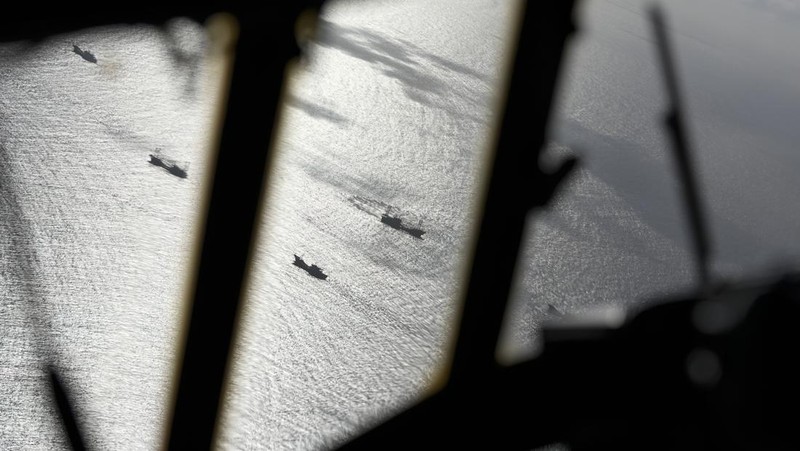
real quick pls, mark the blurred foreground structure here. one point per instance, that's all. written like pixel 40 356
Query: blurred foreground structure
pixel 709 371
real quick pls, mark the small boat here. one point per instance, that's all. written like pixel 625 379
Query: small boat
pixel 156 161
pixel 85 54
pixel 313 270
pixel 176 171
pixel 397 223
pixel 171 167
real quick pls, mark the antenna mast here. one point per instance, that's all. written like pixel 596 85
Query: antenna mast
pixel 677 131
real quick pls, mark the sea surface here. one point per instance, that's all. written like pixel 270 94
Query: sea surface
pixel 389 112
pixel 94 240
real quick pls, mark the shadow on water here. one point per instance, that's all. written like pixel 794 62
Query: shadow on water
pixel 649 188
pixel 343 181
pixel 186 46
pixel 22 267
pixel 317 111
pixel 189 64
pixel 400 60
pixel 445 63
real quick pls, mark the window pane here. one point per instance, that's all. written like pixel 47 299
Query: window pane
pixel 95 234
pixel 618 233
pixel 391 116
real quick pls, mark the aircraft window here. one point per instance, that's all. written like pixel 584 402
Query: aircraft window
pixel 103 156
pixel 377 168
pixel 618 233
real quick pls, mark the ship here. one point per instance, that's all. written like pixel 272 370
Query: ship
pixel 313 270
pixel 85 54
pixel 397 223
pixel 171 167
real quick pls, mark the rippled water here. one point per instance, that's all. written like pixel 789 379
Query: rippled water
pixel 95 239
pixel 384 120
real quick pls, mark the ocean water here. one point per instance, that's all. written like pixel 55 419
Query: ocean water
pixel 95 240
pixel 390 114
